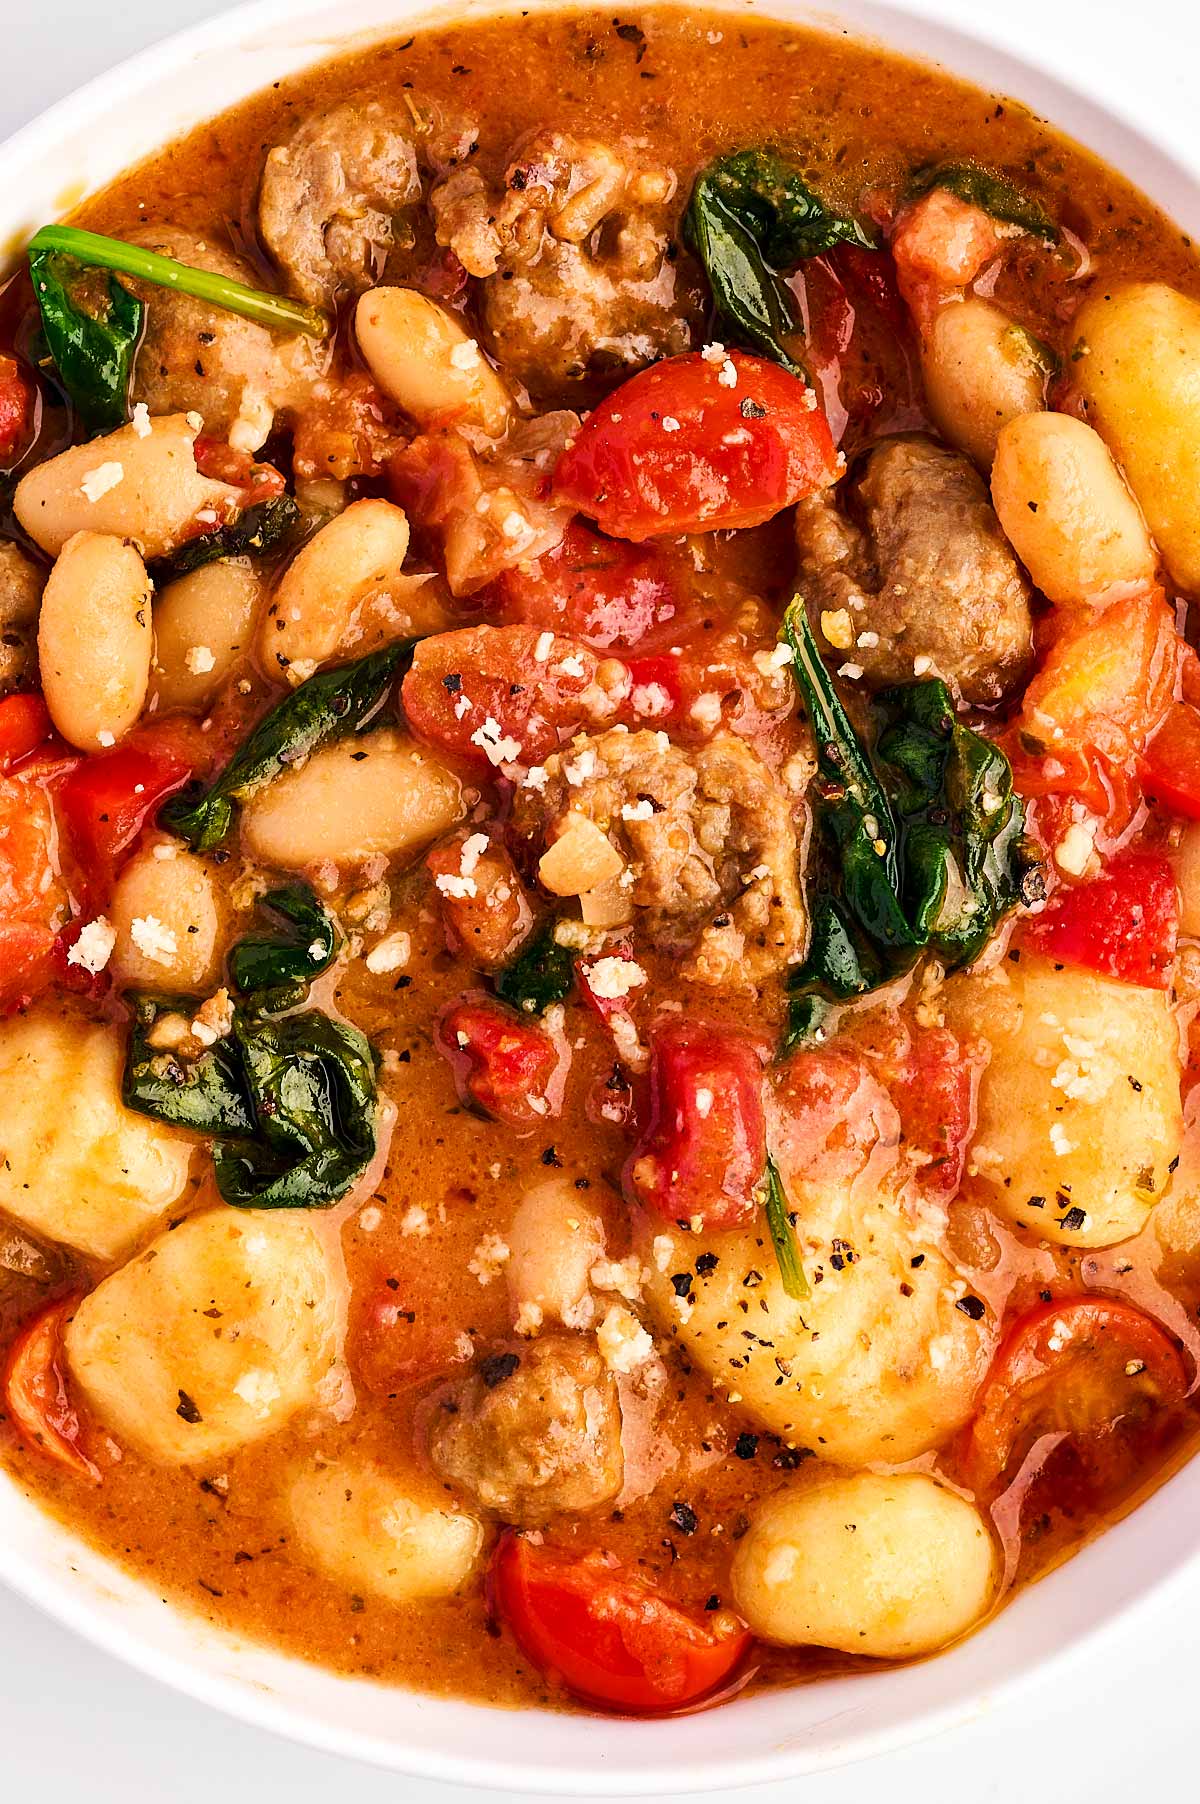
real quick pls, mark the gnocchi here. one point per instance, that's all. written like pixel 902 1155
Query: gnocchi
pixel 555 1239
pixel 212 1337
pixel 886 1565
pixel 371 1533
pixel 78 1166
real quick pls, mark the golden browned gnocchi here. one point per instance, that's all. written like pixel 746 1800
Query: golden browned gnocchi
pixel 212 1337
pixel 378 1536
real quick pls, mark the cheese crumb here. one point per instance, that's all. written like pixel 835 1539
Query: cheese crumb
pixel 670 424
pixel 458 888
pixel 727 375
pixel 93 948
pixel 662 1248
pixel 624 1344
pixel 528 1320
pixel 642 810
pixel 258 1390
pixel 491 1255
pixel 838 628
pixel 612 978
pixel 465 356
pixel 199 659
pixel 497 747
pixel 391 954
pixel 415 1221
pixel 99 481
pixel 1074 850
pixel 153 940
pixel 140 420
pixel 1059 1140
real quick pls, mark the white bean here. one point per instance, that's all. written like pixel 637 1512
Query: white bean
pixel 356 555
pixel 421 356
pixel 94 640
pixel 981 370
pixel 367 1530
pixel 375 793
pixel 870 1564
pixel 139 487
pixel 554 1241
pixel 202 626
pixel 179 950
pixel 1067 513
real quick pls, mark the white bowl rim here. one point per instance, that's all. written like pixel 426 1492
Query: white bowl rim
pixel 927 28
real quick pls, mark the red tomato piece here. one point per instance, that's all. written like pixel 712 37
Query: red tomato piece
pixel 1088 1369
pixel 829 1112
pixel 24 725
pixel 36 1395
pixel 1122 924
pixel 703 1149
pixel 108 798
pixel 17 399
pixel 221 463
pixel 33 899
pixel 611 1639
pixel 506 1064
pixel 676 450
pixel 605 1006
pixel 1171 765
pixel 484 906
pixel 933 1078
pixel 402 1331
pixel 485 695
pixel 603 592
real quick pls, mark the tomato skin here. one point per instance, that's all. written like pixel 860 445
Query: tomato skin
pixel 703 1148
pixel 33 899
pixel 488 926
pixel 108 798
pixel 1065 1367
pixel 221 463
pixel 36 1396
pixel 607 594
pixel 504 1063
pixel 24 725
pixel 461 680
pixel 613 1641
pixel 1171 764
pixel 1122 924
pixel 721 468
pixel 17 398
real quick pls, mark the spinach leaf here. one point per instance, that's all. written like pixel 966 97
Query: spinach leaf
pixel 921 846
pixel 542 973
pixel 275 969
pixel 783 1237
pixel 312 1082
pixel 995 194
pixel 93 352
pixel 290 1105
pixel 98 252
pixel 206 1094
pixel 328 706
pixel 751 217
pixel 255 532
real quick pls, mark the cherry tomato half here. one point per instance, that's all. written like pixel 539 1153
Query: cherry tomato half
pixel 612 1640
pixel 503 1062
pixel 681 447
pixel 36 1395
pixel 1123 924
pixel 1089 1368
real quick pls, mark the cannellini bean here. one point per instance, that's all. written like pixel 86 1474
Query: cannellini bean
pixel 378 792
pixel 1067 512
pixel 1187 876
pixel 311 614
pixel 78 1166
pixel 981 370
pixel 94 640
pixel 145 488
pixel 368 1531
pixel 202 626
pixel 580 858
pixel 554 1241
pixel 420 356
pixel 213 1337
pixel 1135 364
pixel 870 1564
pixel 165 915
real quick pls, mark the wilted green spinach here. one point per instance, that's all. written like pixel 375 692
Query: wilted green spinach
pixel 994 194
pixel 542 973
pixel 257 530
pixel 274 970
pixel 91 338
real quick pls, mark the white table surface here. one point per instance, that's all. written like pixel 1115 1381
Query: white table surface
pixel 76 1725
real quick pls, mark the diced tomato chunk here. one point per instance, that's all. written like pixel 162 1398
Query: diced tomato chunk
pixel 681 448
pixel 506 1064
pixel 17 398
pixel 1171 763
pixel 24 726
pixel 607 1636
pixel 1097 1372
pixel 483 902
pixel 108 798
pixel 33 898
pixel 221 463
pixel 495 695
pixel 703 1148
pixel 36 1394
pixel 404 1329
pixel 1123 924
pixel 603 592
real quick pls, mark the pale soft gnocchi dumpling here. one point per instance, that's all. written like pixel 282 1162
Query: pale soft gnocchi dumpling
pixel 1079 1113
pixel 211 1338
pixel 77 1165
pixel 371 1532
pixel 877 1363
pixel 890 1565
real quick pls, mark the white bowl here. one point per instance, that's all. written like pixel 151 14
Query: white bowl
pixel 72 149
